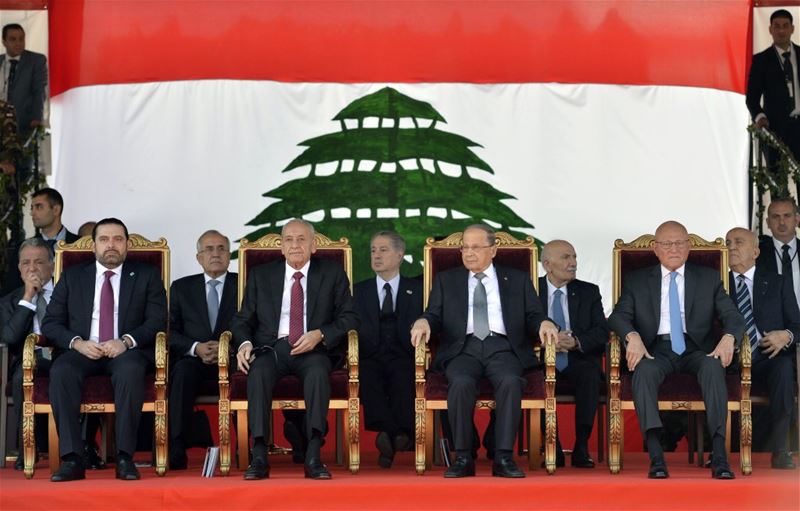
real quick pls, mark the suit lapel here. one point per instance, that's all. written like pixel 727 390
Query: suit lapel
pixel 277 279
pixel 86 307
pixel 228 303
pixel 199 290
pixel 506 299
pixel 127 281
pixel 373 307
pixel 543 294
pixel 655 291
pixel 404 294
pixel 312 289
pixel 760 288
pixel 689 287
pixel 572 303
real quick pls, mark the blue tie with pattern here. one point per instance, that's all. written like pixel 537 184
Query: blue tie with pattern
pixel 562 359
pixel 746 308
pixel 675 322
pixel 213 303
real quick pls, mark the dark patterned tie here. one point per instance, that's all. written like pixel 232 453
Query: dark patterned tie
pixel 296 309
pixel 746 308
pixel 12 72
pixel 41 307
pixel 562 359
pixel 788 69
pixel 480 310
pixel 387 309
pixel 786 263
pixel 106 309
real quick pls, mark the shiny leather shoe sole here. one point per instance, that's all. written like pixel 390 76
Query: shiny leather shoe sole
pixel 257 470
pixel 658 472
pixel 722 473
pixel 499 471
pixel 126 470
pixel 316 470
pixel 69 471
pixel 457 471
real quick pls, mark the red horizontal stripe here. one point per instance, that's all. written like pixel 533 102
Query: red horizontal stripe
pixel 700 43
pixel 23 5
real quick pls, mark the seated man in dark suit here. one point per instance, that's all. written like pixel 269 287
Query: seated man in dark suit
pixel 487 317
pixel 295 311
pixel 387 305
pixel 103 319
pixel 577 308
pixel 47 205
pixel 770 311
pixel 665 315
pixel 21 313
pixel 201 308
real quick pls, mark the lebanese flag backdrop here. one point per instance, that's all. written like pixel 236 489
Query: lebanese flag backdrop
pixel 601 117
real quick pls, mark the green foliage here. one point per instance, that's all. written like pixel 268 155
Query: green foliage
pixel 775 180
pixel 410 189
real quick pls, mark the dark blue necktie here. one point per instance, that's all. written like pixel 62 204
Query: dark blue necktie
pixel 562 359
pixel 746 308
pixel 675 322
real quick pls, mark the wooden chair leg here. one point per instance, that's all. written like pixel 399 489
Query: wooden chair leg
pixel 242 439
pixel 224 437
pixel 54 460
pixel 428 456
pixel 420 431
pixel 615 437
pixel 535 433
pixel 353 418
pixel 746 437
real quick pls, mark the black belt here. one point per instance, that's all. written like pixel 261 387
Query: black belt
pixel 491 334
pixel 667 337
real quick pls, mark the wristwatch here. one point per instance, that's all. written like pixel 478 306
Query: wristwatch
pixel 127 342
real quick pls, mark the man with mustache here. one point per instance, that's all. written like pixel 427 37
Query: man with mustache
pixel 103 319
pixel 577 308
pixel 201 308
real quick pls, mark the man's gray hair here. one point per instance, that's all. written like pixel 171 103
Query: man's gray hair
pixel 37 243
pixel 210 232
pixel 397 241
pixel 299 221
pixel 490 236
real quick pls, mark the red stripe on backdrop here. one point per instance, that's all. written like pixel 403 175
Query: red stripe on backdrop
pixel 690 42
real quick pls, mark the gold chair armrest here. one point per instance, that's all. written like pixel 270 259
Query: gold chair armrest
pixel 160 421
pixel 29 364
pixel 223 355
pixel 352 361
pixel 613 365
pixel 162 358
pixel 224 403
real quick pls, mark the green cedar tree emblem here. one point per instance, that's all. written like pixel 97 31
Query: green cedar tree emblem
pixel 379 181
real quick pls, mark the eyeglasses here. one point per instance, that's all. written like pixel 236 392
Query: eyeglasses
pixel 666 245
pixel 474 249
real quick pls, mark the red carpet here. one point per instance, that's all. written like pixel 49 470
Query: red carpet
pixel 399 488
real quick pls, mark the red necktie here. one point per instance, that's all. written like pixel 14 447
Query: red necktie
pixel 106 309
pixel 296 309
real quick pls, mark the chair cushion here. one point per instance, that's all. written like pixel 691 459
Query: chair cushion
pixel 436 386
pixel 96 389
pixel 290 387
pixel 682 387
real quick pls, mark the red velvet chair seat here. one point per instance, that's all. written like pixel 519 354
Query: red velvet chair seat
pixel 290 387
pixel 682 387
pixel 96 389
pixel 436 386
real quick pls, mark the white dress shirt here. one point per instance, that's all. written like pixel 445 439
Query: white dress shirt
pixel 288 281
pixel 793 256
pixel 496 323
pixel 394 282
pixel 664 323
pixel 220 286
pixel 6 70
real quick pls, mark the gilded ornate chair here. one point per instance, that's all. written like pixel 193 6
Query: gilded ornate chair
pixel 679 392
pixel 431 387
pixel 98 395
pixel 288 394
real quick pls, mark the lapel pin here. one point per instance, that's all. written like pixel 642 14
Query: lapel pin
pixel 408 291
pixel 131 274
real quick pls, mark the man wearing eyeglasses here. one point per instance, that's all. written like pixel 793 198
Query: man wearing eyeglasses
pixel 201 308
pixel 486 316
pixel 665 315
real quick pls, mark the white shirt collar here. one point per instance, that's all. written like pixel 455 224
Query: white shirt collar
pixel 665 272
pixel 394 282
pixel 60 235
pixel 489 272
pixel 551 288
pixel 220 279
pixel 291 271
pixel 748 274
pixel 779 245
pixel 102 269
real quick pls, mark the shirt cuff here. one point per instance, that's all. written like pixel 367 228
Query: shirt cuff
pixel 193 350
pixel 791 339
pixel 133 341
pixel 27 305
pixel 242 345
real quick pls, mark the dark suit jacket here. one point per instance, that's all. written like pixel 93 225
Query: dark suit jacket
pixel 774 304
pixel 768 80
pixel 30 89
pixel 586 318
pixel 329 304
pixel 142 305
pixel 408 308
pixel 447 313
pixel 16 322
pixel 639 308
pixel 766 258
pixel 188 312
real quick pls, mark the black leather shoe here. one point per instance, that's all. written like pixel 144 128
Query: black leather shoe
pixel 783 460
pixel 178 460
pixel 403 443
pixel 258 469
pixel 126 469
pixel 658 469
pixel 581 460
pixel 385 450
pixel 506 467
pixel 295 437
pixel 69 471
pixel 462 467
pixel 722 470
pixel 91 459
pixel 314 469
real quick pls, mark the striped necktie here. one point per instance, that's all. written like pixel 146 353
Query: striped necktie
pixel 746 308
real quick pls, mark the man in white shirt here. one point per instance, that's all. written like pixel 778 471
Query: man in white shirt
pixel 778 253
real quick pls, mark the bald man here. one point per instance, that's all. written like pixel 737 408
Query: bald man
pixel 663 335
pixel 770 310
pixel 578 309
